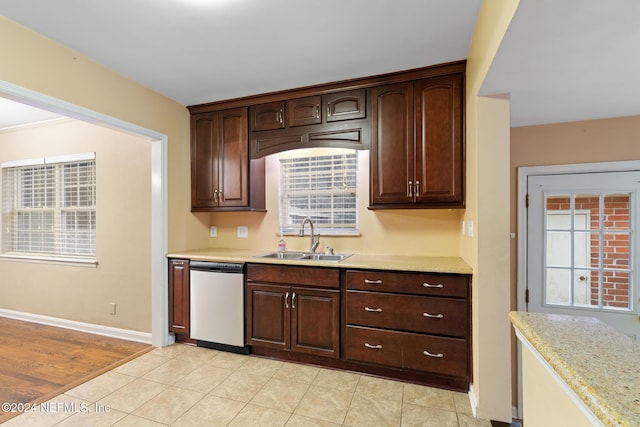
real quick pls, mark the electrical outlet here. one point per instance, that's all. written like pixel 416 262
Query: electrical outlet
pixel 213 231
pixel 470 228
pixel 112 308
pixel 243 232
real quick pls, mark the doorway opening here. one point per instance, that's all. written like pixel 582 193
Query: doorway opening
pixel 158 183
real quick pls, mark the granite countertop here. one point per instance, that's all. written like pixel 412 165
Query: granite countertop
pixel 600 364
pixel 451 265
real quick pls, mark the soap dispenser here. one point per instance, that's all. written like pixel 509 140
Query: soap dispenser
pixel 281 244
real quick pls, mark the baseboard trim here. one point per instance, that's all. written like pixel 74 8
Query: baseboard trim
pixel 125 334
pixel 473 401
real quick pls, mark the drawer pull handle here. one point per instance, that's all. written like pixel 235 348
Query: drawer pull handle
pixel 433 316
pixel 375 347
pixel 373 282
pixel 426 353
pixel 376 310
pixel 428 285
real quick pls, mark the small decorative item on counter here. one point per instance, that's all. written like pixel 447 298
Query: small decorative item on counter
pixel 282 246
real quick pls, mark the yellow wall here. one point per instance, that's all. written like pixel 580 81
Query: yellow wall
pixel 546 403
pixel 123 171
pixel 487 251
pixel 401 232
pixel 44 66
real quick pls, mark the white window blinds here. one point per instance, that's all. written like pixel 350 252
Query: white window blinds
pixel 49 207
pixel 323 187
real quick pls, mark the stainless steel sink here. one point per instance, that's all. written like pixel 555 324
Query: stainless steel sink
pixel 305 256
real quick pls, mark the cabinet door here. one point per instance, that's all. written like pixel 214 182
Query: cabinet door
pixel 267 116
pixel 179 298
pixel 392 156
pixel 233 158
pixel 439 156
pixel 268 315
pixel 204 164
pixel 315 321
pixel 304 111
pixel 346 105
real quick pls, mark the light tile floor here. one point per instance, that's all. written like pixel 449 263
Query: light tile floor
pixel 182 385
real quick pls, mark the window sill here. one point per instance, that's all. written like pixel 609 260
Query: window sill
pixel 76 262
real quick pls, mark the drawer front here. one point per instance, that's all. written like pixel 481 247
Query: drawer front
pixel 408 313
pixel 374 346
pixel 412 283
pixel 293 275
pixel 446 356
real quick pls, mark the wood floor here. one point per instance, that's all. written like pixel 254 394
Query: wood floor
pixel 38 362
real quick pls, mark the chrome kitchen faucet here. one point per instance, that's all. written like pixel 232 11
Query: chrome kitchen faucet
pixel 315 241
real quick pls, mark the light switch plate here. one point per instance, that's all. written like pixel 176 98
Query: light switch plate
pixel 243 232
pixel 213 231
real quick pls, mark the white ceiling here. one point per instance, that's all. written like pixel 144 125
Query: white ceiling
pixel 561 60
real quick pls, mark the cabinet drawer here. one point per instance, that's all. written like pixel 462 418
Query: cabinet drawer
pixel 446 356
pixel 408 313
pixel 294 275
pixel 374 346
pixel 412 283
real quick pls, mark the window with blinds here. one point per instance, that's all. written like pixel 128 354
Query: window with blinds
pixel 49 207
pixel 322 185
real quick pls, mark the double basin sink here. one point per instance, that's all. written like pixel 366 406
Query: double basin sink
pixel 305 256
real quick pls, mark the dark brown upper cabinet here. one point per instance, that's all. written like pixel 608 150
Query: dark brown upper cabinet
pixel 346 105
pixel 413 122
pixel 417 156
pixel 267 116
pixel 220 172
pixel 304 111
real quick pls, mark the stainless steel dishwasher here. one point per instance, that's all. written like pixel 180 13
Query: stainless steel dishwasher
pixel 217 305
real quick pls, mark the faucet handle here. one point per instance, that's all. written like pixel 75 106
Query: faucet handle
pixel 329 250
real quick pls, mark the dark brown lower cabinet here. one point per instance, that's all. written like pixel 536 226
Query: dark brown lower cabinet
pixel 407 325
pixel 293 309
pixel 179 299
pixel 415 322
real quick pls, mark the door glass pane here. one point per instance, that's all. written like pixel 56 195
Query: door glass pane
pixel 557 244
pixel 616 211
pixel 558 203
pixel 588 247
pixel 558 289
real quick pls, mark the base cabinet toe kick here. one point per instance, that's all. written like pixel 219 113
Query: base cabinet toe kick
pixel 410 326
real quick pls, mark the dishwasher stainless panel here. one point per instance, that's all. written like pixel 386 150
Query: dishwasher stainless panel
pixel 217 305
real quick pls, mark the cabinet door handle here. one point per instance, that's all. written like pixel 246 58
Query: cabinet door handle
pixel 426 353
pixel 433 316
pixel 317 111
pixel 428 285
pixel 410 188
pixel 281 116
pixel 286 300
pixel 328 109
pixel 293 300
pixel 417 188
pixel 375 347
pixel 220 196
pixel 373 282
pixel 215 196
pixel 374 310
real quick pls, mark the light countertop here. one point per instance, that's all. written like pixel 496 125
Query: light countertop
pixel 451 265
pixel 600 364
